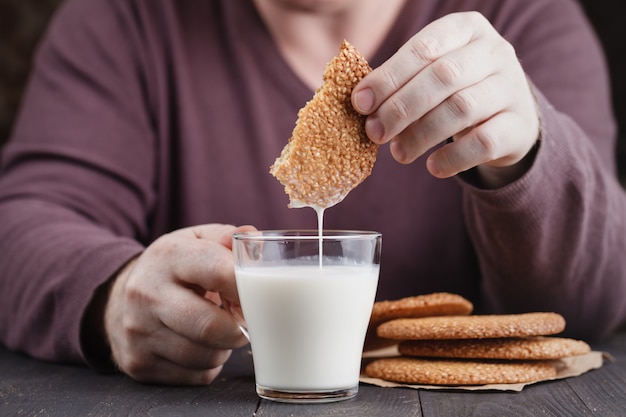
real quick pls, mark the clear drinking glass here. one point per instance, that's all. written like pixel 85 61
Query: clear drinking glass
pixel 306 316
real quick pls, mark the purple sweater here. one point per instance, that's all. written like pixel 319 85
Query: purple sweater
pixel 144 116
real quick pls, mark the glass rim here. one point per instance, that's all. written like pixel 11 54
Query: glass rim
pixel 305 235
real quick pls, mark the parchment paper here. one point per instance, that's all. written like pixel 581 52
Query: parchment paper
pixel 566 368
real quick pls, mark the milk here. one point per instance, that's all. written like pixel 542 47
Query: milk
pixel 307 324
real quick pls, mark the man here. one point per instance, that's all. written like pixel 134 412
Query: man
pixel 149 128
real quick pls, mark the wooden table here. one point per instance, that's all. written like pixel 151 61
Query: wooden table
pixel 33 388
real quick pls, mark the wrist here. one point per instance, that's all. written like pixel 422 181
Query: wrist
pixel 95 346
pixel 492 177
pixel 94 336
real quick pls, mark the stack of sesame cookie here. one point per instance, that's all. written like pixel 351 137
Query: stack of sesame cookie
pixel 440 347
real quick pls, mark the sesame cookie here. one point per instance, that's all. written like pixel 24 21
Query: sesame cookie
pixel 458 372
pixel 435 304
pixel 473 327
pixel 328 153
pixel 518 348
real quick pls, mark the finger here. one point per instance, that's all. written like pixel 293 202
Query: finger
pixel 228 240
pixel 220 233
pixel 431 43
pixel 438 83
pixel 187 353
pixel 199 320
pixel 492 141
pixel 162 371
pixel 465 108
pixel 139 360
pixel 206 258
pixel 196 262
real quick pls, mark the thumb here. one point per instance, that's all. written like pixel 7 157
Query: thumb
pixel 220 233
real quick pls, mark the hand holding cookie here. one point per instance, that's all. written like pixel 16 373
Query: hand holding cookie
pixel 456 78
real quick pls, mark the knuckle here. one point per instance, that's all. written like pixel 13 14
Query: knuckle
pixel 134 334
pixel 137 292
pixel 505 48
pixel 208 376
pixel 133 291
pixel 446 71
pixel 218 358
pixel 220 269
pixel 477 17
pixel 469 18
pixel 207 327
pixel 135 366
pixel 163 248
pixel 392 77
pixel 462 104
pixel 425 49
pixel 486 142
pixel 399 108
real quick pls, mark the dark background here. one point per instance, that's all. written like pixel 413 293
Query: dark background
pixel 21 24
pixel 23 21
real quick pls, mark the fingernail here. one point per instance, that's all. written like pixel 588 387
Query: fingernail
pixel 364 100
pixel 374 129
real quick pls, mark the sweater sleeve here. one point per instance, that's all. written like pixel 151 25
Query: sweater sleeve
pixel 76 180
pixel 554 239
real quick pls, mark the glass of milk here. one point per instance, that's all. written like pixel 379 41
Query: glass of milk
pixel 306 315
